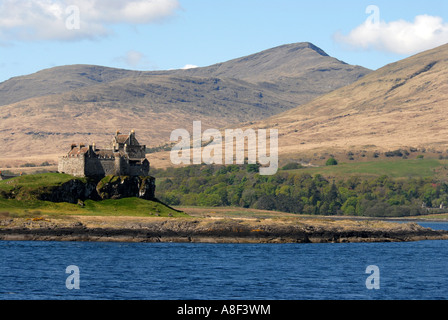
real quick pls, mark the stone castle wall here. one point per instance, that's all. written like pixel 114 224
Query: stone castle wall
pixel 137 170
pixel 82 166
pixel 126 158
pixel 100 167
pixel 73 166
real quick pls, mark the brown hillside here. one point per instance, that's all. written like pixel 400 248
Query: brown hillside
pixel 42 114
pixel 401 105
pixel 58 80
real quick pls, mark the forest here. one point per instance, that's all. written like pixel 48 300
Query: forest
pixel 299 192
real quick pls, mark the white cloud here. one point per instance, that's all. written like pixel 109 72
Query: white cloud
pixel 189 66
pixel 76 19
pixel 401 37
pixel 133 59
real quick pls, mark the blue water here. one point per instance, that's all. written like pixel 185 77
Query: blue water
pixel 171 271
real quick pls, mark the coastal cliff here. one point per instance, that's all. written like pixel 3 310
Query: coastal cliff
pixel 203 230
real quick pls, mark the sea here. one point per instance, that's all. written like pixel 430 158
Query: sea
pixel 191 271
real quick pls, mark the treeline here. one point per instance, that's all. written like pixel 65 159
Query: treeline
pixel 301 193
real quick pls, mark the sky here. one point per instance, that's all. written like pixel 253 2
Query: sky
pixel 174 34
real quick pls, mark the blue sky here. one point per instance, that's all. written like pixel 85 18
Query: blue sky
pixel 171 34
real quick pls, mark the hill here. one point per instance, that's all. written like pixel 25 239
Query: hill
pixel 58 80
pixel 401 105
pixel 301 70
pixel 43 113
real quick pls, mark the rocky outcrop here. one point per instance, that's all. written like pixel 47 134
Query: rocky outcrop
pixel 110 187
pixel 207 231
pixel 117 187
pixel 70 192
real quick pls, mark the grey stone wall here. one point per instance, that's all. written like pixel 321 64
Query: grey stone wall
pixel 100 167
pixel 123 168
pixel 82 166
pixel 139 170
pixel 72 166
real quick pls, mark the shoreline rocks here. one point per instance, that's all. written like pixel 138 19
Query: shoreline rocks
pixel 210 231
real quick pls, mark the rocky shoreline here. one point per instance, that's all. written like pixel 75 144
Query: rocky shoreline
pixel 182 230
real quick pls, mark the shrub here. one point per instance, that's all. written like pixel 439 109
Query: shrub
pixel 396 153
pixel 292 166
pixel 28 165
pixel 253 167
pixel 331 162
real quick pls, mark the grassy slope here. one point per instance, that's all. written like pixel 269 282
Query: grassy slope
pixel 35 181
pixel 33 184
pixel 392 168
pixel 124 207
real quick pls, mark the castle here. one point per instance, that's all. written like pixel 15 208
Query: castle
pixel 125 158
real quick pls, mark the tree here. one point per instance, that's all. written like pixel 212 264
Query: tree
pixel 266 202
pixel 331 162
pixel 333 194
pixel 209 200
pixel 253 167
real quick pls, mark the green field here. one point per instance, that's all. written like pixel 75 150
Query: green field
pixel 392 168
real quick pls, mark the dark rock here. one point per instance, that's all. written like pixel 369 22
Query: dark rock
pixel 111 187
pixel 115 187
pixel 70 192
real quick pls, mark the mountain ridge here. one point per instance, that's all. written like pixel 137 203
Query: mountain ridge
pixel 58 80
pixel 82 75
pixel 45 112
